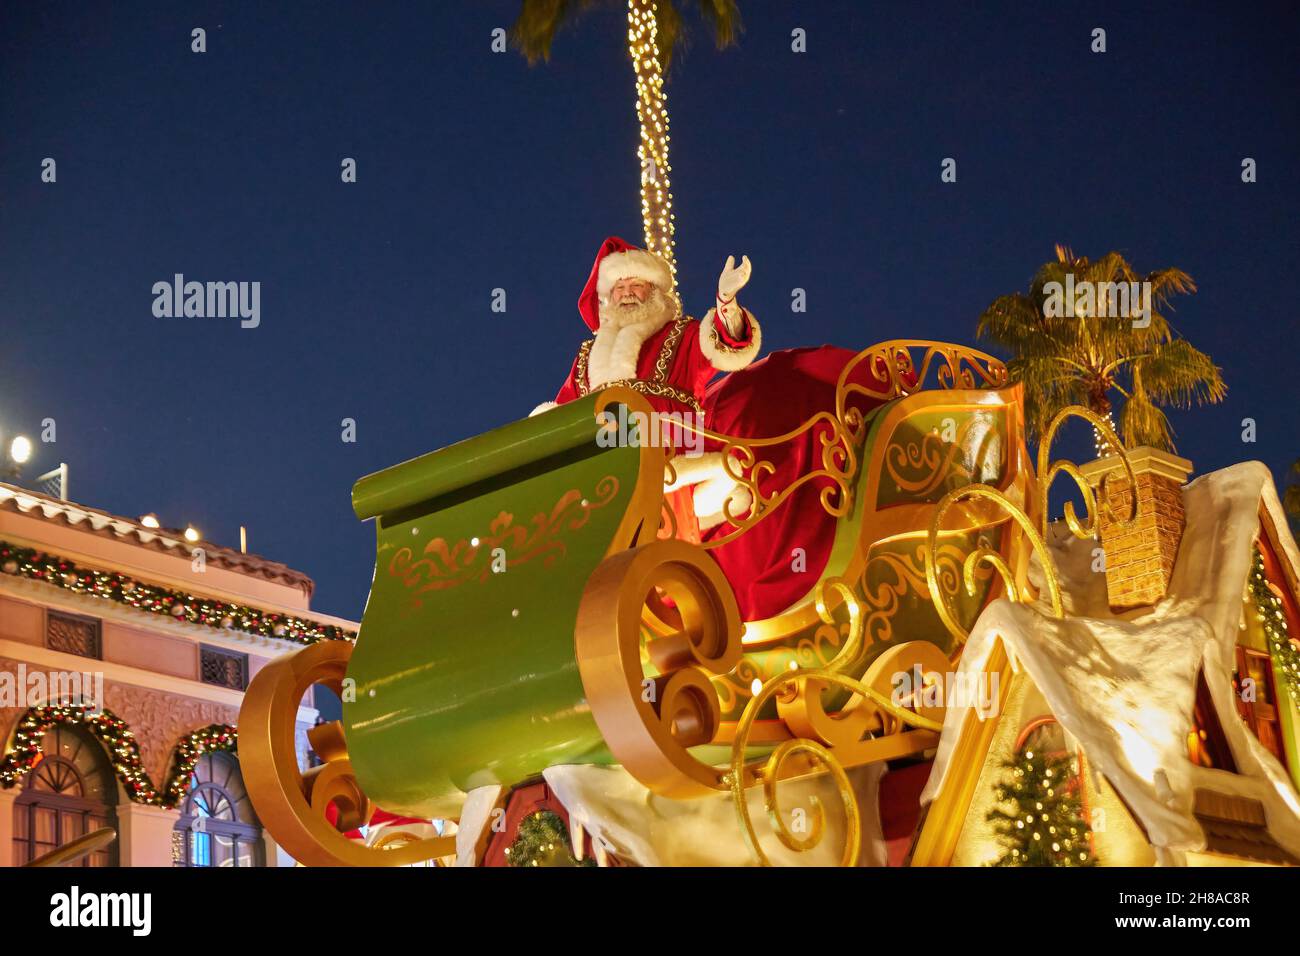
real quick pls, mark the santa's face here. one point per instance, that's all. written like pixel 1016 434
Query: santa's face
pixel 629 292
pixel 635 302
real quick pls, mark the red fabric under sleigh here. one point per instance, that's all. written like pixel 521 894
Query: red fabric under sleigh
pixel 769 398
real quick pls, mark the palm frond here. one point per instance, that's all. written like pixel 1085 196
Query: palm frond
pixel 533 33
pixel 1176 373
pixel 534 29
pixel 1141 422
pixel 1049 385
pixel 1166 283
pixel 1012 321
pixel 723 20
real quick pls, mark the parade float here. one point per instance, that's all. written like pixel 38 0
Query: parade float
pixel 832 620
pixel 536 620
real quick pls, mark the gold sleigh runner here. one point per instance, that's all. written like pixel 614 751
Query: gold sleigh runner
pixel 940 520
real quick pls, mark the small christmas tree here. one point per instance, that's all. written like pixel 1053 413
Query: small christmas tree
pixel 1047 827
pixel 543 840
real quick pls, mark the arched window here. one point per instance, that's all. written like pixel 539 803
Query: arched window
pixel 218 826
pixel 68 794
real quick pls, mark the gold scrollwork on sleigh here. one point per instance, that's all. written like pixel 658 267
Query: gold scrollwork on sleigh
pixel 893 370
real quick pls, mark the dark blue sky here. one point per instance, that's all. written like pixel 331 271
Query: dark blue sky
pixel 477 172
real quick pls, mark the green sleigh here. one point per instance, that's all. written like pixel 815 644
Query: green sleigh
pixel 530 608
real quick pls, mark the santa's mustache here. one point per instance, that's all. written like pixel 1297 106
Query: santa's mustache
pixel 628 311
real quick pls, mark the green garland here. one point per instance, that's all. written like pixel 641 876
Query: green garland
pixel 214 738
pixel 123 751
pixel 1272 617
pixel 1047 827
pixel 179 605
pixel 543 840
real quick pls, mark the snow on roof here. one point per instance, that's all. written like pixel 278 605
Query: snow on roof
pixel 1125 685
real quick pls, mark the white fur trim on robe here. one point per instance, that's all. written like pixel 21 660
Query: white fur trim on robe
pixel 615 353
pixel 723 358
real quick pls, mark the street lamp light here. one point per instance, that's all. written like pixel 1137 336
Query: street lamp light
pixel 20 449
pixel 19 452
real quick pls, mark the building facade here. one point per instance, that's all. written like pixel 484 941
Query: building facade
pixel 125 651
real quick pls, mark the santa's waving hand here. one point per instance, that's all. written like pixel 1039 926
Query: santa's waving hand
pixel 731 281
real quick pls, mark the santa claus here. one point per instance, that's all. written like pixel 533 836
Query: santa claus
pixel 643 342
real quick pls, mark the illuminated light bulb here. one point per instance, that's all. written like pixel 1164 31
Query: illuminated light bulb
pixel 20 449
pixel 192 534
pixel 150 521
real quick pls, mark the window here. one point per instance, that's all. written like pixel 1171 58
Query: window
pixel 1206 744
pixel 223 668
pixel 70 793
pixel 1258 708
pixel 217 826
pixel 72 634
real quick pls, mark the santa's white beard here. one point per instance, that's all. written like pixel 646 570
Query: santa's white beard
pixel 654 312
pixel 623 330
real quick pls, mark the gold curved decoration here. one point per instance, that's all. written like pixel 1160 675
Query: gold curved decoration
pixel 955 366
pixel 292 805
pixel 936 455
pixel 741 775
pixel 890 362
pixel 744 465
pixel 984 555
pixel 1047 474
pixel 649 720
pixel 798 697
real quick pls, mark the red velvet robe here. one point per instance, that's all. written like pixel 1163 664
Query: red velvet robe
pixel 771 397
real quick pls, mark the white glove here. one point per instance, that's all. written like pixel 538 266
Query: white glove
pixel 731 281
pixel 733 277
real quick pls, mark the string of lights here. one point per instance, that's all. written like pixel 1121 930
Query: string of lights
pixel 652 113
pixel 1272 617
pixel 180 605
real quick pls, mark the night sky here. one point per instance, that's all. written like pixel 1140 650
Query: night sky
pixel 477 172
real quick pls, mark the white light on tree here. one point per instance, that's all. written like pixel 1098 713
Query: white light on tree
pixel 652 111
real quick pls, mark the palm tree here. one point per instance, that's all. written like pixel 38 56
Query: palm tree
pixel 539 21
pixel 1080 352
pixel 655 30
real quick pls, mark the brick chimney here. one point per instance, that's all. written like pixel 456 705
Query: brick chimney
pixel 1140 559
